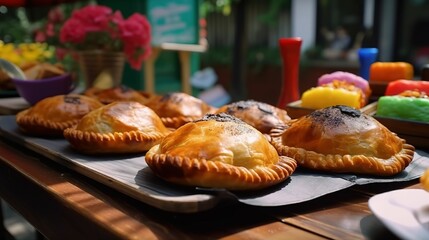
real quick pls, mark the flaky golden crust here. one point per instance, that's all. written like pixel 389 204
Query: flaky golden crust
pixel 116 142
pixel 219 154
pixel 50 116
pixel 204 173
pixel 176 109
pixel 119 127
pixel 261 116
pixel 341 139
pixel 120 93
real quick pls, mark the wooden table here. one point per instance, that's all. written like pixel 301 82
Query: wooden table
pixel 63 204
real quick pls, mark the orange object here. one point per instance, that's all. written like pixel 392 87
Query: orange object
pixel 390 71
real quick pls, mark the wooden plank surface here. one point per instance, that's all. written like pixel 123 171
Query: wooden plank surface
pixel 34 189
pixel 65 205
pixel 342 215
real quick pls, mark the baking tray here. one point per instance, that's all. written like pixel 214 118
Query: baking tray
pixel 130 175
pixel 13 105
pixel 414 132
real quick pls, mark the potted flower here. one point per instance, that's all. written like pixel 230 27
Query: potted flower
pixel 100 34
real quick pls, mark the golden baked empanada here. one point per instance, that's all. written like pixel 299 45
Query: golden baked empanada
pixel 120 93
pixel 177 108
pixel 342 139
pixel 261 116
pixel 219 151
pixel 50 116
pixel 119 127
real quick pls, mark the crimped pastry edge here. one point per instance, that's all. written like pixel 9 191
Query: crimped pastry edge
pixel 359 164
pixel 36 125
pixel 214 174
pixel 176 122
pixel 117 142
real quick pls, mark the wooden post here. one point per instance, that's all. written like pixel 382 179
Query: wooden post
pixel 184 51
pixel 185 68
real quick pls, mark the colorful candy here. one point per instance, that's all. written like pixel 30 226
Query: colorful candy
pixel 409 105
pixel 390 71
pixel 399 86
pixel 335 93
pixel 347 77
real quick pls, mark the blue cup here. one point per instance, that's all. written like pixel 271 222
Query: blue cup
pixel 367 56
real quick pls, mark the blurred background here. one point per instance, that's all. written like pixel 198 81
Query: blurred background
pixel 239 55
pixel 242 59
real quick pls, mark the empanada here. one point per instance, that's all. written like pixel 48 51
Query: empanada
pixel 219 151
pixel 261 116
pixel 50 116
pixel 119 127
pixel 177 108
pixel 343 139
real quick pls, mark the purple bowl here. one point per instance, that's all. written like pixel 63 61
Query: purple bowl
pixel 35 90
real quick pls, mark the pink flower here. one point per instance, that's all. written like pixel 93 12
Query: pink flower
pixel 60 53
pixel 72 31
pixel 40 36
pixel 136 36
pixel 93 17
pixel 50 29
pixel 56 15
pixel 136 56
pixel 117 17
pixel 98 27
pixel 135 30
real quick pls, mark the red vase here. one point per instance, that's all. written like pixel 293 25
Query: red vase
pixel 290 51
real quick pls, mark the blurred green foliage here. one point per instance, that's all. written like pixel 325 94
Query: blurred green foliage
pixel 18 24
pixel 14 25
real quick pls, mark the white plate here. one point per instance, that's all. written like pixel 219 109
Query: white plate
pixel 404 212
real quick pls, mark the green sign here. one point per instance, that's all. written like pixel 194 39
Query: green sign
pixel 173 21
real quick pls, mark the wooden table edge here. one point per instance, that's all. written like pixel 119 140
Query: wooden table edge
pixel 105 219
